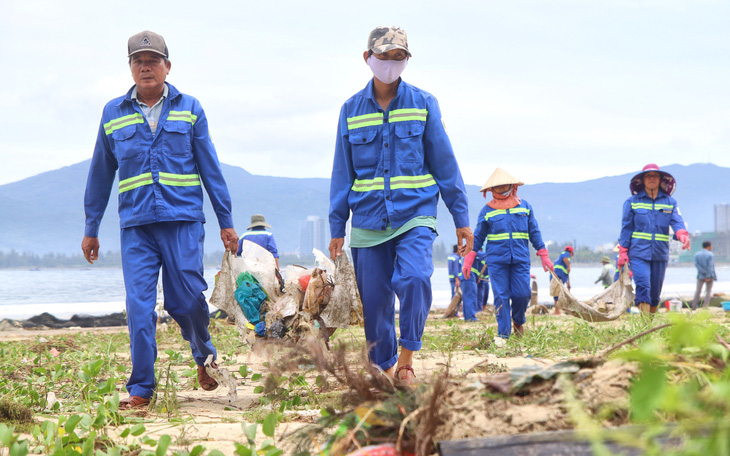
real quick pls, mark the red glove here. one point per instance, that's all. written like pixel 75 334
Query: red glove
pixel 468 261
pixel 683 237
pixel 546 263
pixel 623 256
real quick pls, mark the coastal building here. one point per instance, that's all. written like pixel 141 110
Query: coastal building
pixel 313 235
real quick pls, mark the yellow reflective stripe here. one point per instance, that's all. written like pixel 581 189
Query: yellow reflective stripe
pixel 411 182
pixel 134 182
pixel 185 116
pixel 519 210
pixel 451 276
pixel 365 120
pixel 498 237
pixel 505 236
pixel 399 182
pixel 664 206
pixel 366 185
pixel 401 115
pixel 121 122
pixel 494 213
pixel 179 180
pixel 661 237
pixel 250 233
pixel 562 268
pixel 640 235
pixel 641 206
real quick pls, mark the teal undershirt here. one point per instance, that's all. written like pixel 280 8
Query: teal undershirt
pixel 361 237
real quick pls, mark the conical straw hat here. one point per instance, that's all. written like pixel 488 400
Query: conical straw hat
pixel 500 177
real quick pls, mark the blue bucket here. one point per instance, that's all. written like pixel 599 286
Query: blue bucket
pixel 726 306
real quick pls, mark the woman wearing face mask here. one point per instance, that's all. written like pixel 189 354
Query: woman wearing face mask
pixel 644 239
pixel 507 223
pixel 392 160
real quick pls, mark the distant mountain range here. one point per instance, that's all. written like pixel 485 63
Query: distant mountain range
pixel 44 213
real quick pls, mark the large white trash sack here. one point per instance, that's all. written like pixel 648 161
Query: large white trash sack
pixel 344 307
pixel 608 305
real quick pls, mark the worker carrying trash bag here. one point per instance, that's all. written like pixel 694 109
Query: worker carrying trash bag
pixel 644 239
pixel 562 271
pixel 507 223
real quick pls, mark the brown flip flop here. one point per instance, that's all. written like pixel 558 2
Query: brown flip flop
pixel 207 382
pixel 407 380
pixel 134 402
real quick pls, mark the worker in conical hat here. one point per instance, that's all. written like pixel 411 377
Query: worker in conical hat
pixel 644 239
pixel 508 225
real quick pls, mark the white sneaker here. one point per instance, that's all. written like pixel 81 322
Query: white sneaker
pixel 500 342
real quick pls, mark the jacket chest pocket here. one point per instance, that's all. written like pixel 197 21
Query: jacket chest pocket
pixel 410 142
pixel 497 224
pixel 642 220
pixel 519 222
pixel 663 217
pixel 126 145
pixel 176 138
pixel 365 151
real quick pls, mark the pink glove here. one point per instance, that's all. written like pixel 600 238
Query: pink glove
pixel 623 256
pixel 683 237
pixel 468 261
pixel 546 263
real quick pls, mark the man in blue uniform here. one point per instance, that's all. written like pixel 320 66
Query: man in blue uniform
pixel 392 160
pixel 482 280
pixel 158 139
pixel 454 268
pixel 470 293
pixel 507 223
pixel 644 239
pixel 257 233
pixel 562 271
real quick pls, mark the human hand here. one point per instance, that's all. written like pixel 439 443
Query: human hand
pixel 545 259
pixel 467 236
pixel 230 239
pixel 468 261
pixel 90 247
pixel 336 245
pixel 623 256
pixel 683 237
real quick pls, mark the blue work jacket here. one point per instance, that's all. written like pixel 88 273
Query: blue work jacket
pixel 645 225
pixel 507 232
pixel 561 264
pixel 454 266
pixel 159 175
pixel 390 166
pixel 261 237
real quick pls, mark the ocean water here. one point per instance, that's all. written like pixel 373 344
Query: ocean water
pixel 99 291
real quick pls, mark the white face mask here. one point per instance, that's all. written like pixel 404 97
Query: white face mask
pixel 387 71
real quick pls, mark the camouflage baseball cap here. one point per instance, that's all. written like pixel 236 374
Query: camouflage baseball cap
pixel 383 39
pixel 147 41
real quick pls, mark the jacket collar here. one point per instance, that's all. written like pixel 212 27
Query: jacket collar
pixel 369 90
pixel 171 95
pixel 643 194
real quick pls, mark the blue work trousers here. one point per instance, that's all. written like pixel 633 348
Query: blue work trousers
pixel 470 297
pixel 401 266
pixel 649 278
pixel 177 247
pixel 482 293
pixel 512 293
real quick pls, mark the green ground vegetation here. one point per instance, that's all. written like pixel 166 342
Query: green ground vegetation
pixel 60 395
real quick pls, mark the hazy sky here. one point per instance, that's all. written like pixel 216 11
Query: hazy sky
pixel 550 90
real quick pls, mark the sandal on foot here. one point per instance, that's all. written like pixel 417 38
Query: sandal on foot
pixel 207 382
pixel 133 402
pixel 407 379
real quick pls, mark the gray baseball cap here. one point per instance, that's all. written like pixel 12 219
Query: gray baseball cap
pixel 385 38
pixel 147 41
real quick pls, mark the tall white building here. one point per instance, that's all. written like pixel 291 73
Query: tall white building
pixel 312 235
pixel 722 218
